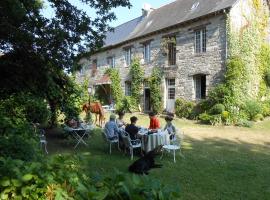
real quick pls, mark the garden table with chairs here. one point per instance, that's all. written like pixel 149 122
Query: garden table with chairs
pixel 152 140
pixel 80 133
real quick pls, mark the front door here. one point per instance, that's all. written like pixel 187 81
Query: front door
pixel 147 105
pixel 170 102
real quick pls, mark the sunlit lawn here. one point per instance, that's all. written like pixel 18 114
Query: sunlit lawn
pixel 219 162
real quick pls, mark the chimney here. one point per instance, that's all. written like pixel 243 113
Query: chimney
pixel 147 8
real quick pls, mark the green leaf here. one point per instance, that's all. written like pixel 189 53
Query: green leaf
pixel 16 182
pixel 27 177
pixel 5 183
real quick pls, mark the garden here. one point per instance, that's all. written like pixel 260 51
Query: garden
pixel 225 143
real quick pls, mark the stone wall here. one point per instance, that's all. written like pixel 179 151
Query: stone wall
pixel 188 63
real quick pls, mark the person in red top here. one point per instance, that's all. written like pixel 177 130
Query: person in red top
pixel 154 122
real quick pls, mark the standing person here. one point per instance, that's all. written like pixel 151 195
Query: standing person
pixel 170 127
pixel 120 121
pixel 132 129
pixel 154 122
pixel 112 130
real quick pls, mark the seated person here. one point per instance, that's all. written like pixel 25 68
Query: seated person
pixel 170 127
pixel 132 129
pixel 112 130
pixel 120 121
pixel 154 122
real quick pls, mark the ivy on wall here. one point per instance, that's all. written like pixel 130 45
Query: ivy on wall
pixel 249 55
pixel 155 90
pixel 117 92
pixel 137 77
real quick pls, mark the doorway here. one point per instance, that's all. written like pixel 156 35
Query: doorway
pixel 147 104
pixel 170 101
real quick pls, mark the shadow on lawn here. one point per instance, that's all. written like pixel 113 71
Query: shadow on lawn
pixel 213 168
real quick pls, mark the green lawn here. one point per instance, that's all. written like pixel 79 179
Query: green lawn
pixel 219 162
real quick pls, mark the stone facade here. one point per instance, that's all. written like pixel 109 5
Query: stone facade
pixel 188 63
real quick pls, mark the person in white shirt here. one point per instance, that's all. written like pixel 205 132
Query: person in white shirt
pixel 170 127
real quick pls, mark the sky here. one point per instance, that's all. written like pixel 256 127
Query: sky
pixel 123 14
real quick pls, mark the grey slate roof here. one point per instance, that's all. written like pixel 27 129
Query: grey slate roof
pixel 171 14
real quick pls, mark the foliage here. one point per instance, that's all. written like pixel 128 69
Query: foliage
pixel 116 88
pixel 244 123
pixel 38 51
pixel 252 108
pixel 183 108
pixel 137 77
pixel 258 117
pixel 164 44
pixel 155 90
pixel 205 118
pixel 217 109
pixel 19 147
pixel 266 108
pixel 35 180
pixel 267 77
pixel 125 106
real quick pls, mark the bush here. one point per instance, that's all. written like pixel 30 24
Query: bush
pixel 205 118
pixel 125 105
pixel 258 117
pixel 183 108
pixel 217 109
pixel 19 147
pixel 245 123
pixel 267 78
pixel 25 180
pixel 252 108
pixel 216 120
pixel 266 109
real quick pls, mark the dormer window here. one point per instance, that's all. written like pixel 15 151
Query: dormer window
pixel 194 6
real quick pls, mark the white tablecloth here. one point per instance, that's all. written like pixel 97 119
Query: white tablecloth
pixel 151 141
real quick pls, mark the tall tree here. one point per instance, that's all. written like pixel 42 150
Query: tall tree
pixel 36 51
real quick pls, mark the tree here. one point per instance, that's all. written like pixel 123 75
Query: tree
pixel 39 51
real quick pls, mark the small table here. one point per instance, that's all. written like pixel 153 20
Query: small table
pixel 80 133
pixel 151 141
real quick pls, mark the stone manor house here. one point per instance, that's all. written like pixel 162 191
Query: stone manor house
pixel 187 39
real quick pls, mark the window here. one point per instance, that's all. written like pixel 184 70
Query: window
pixel 200 86
pixel 111 61
pixel 171 88
pixel 128 88
pixel 94 67
pixel 172 51
pixel 128 56
pixel 146 52
pixel 200 40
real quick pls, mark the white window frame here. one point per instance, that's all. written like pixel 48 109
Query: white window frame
pixel 128 56
pixel 111 61
pixel 200 40
pixel 171 86
pixel 146 52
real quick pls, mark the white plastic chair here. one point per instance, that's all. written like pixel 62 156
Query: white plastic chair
pixel 175 144
pixel 131 144
pixel 42 140
pixel 114 141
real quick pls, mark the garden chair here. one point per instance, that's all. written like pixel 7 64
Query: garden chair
pixel 175 144
pixel 42 140
pixel 114 141
pixel 41 134
pixel 131 144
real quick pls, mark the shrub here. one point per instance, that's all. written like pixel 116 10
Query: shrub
pixel 183 108
pixel 258 117
pixel 155 81
pixel 216 120
pixel 266 109
pixel 252 108
pixel 267 78
pixel 205 118
pixel 125 105
pixel 217 109
pixel 244 123
pixel 19 147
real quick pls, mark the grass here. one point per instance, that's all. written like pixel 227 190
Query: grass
pixel 219 162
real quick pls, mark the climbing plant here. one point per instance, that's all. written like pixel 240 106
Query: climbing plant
pixel 117 92
pixel 246 68
pixel 155 90
pixel 137 77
